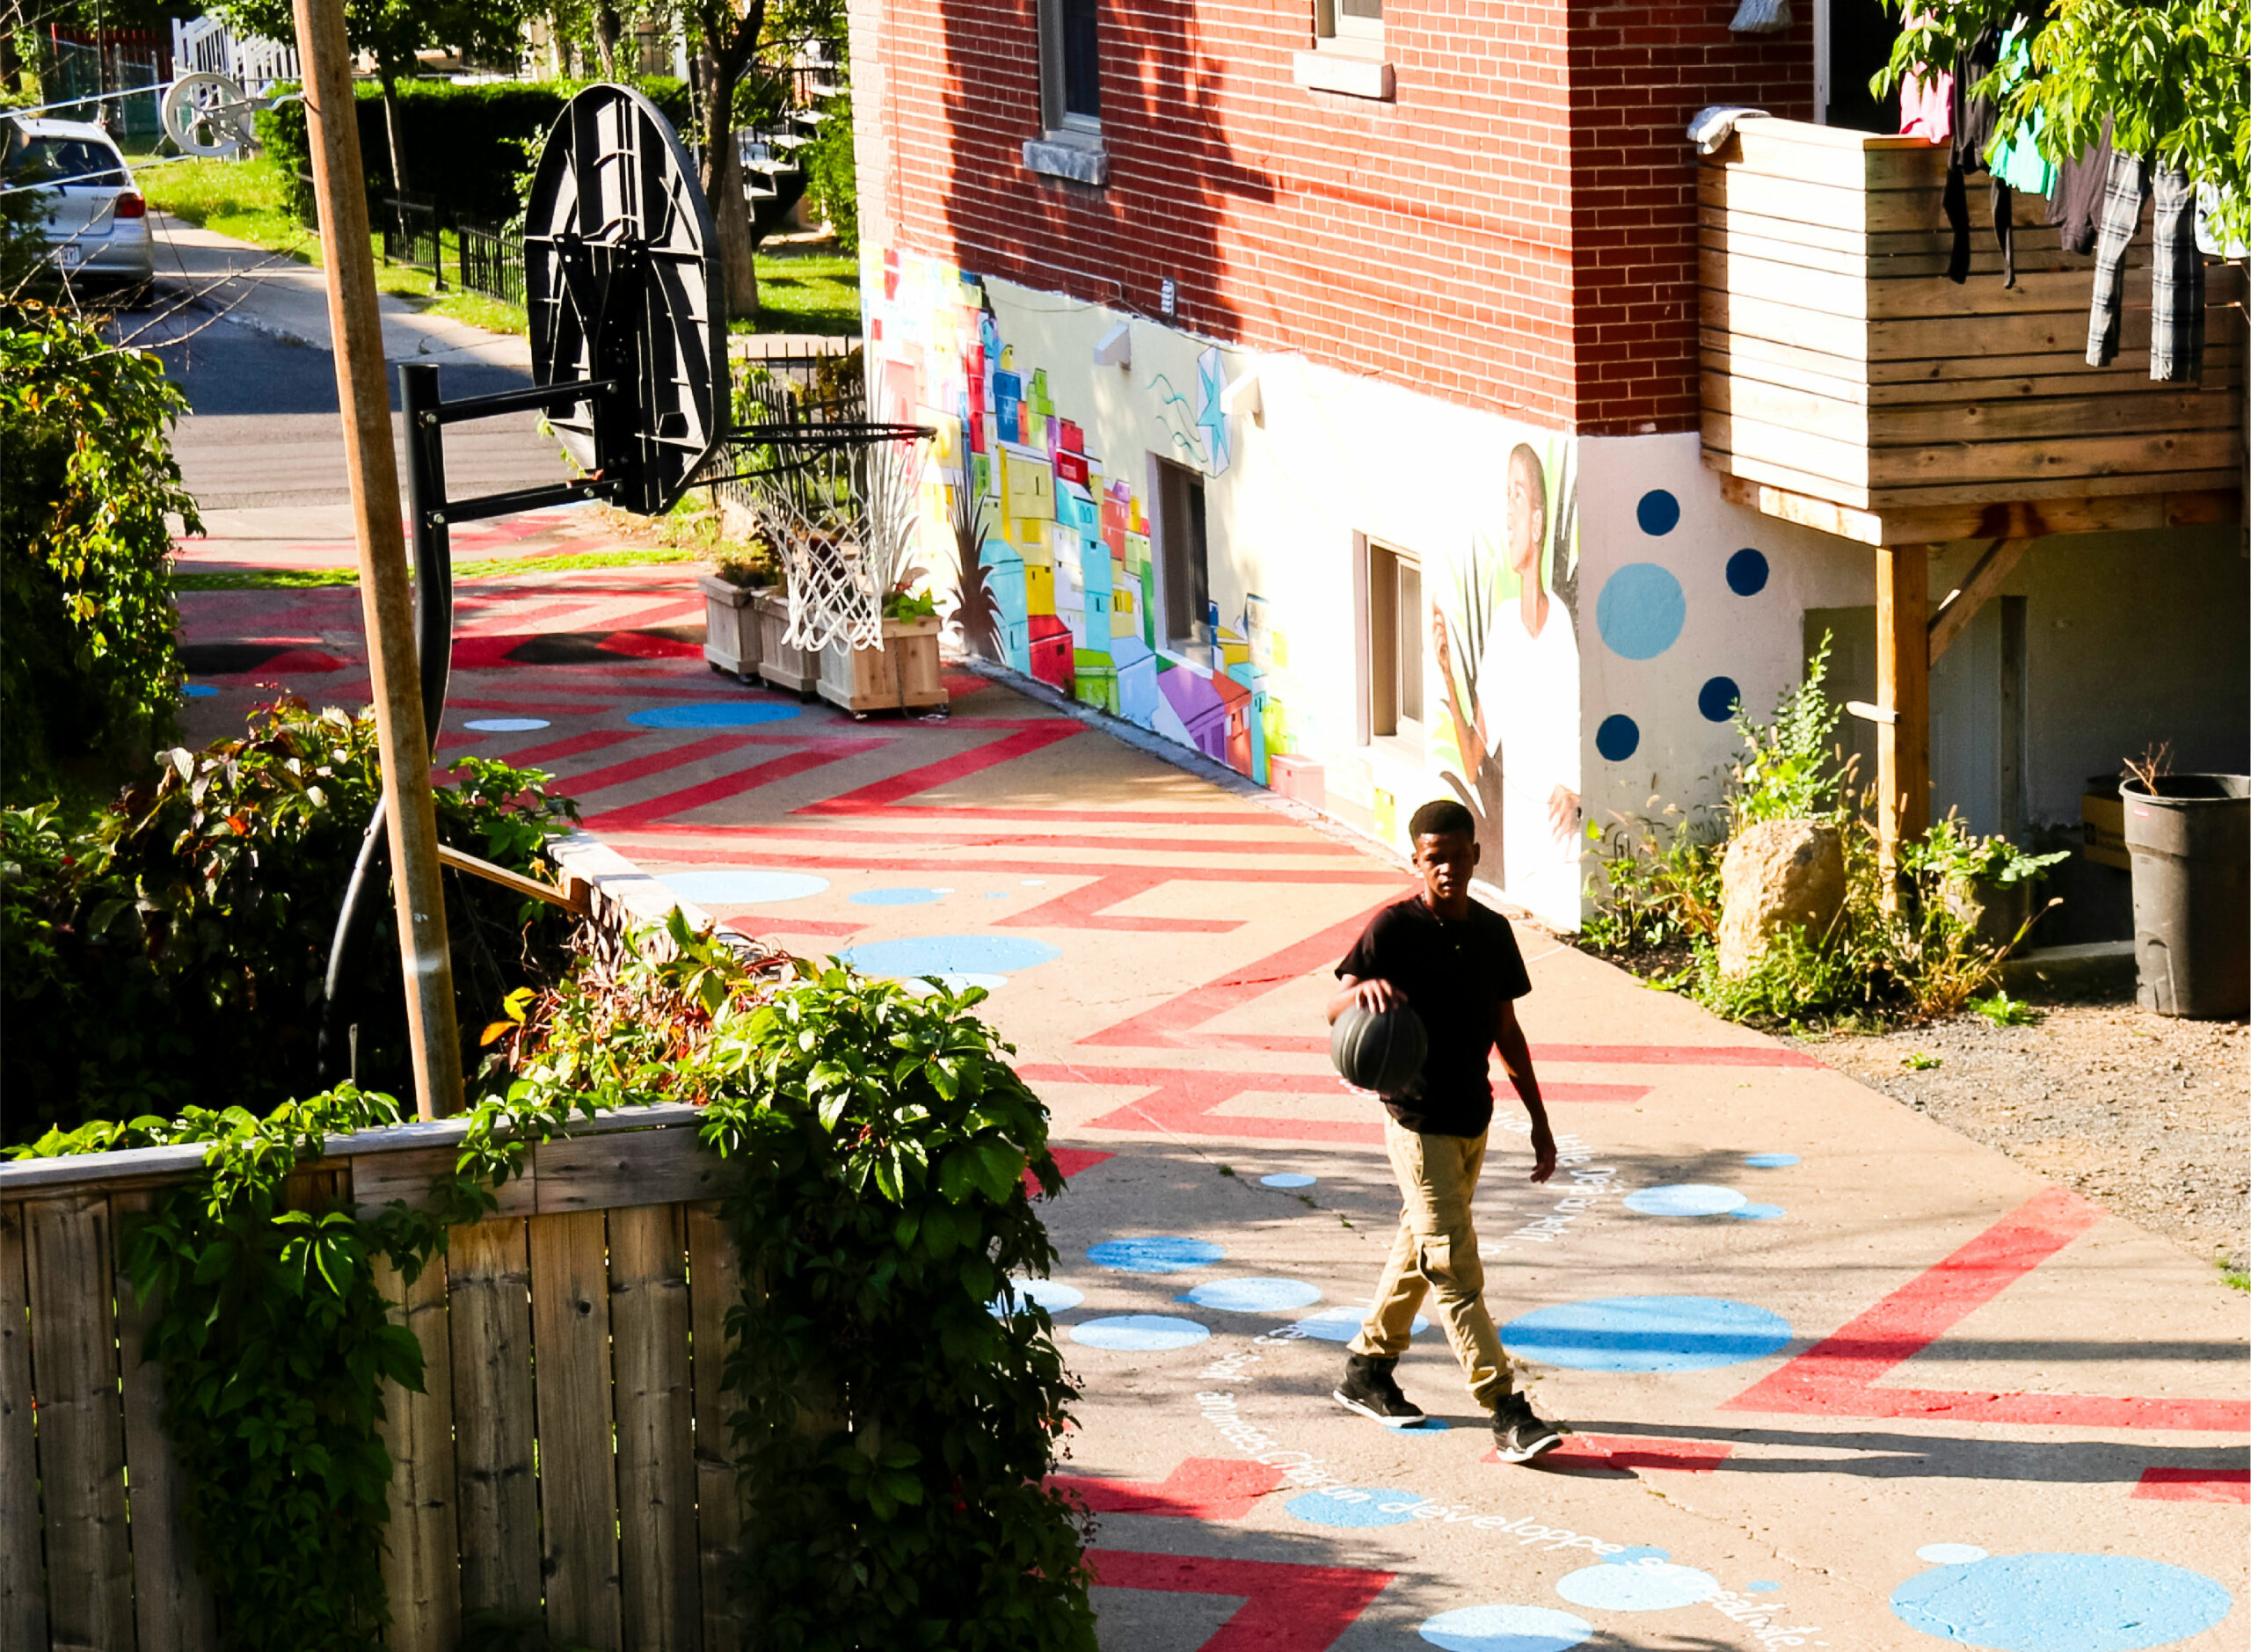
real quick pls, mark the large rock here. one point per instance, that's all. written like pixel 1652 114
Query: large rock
pixel 1781 874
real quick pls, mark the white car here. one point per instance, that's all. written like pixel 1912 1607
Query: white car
pixel 97 222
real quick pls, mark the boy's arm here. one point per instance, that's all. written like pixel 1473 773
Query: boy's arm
pixel 1374 996
pixel 1516 1061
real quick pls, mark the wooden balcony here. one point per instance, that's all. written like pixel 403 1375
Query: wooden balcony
pixel 1848 385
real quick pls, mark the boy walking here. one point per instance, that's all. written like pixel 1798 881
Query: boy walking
pixel 1456 964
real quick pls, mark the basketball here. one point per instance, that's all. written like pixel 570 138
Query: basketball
pixel 1382 1052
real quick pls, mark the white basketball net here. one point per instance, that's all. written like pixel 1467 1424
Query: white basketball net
pixel 844 526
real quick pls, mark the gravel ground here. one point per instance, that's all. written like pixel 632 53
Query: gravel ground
pixel 2147 1115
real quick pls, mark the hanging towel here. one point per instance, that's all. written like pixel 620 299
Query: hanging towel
pixel 2019 164
pixel 2176 321
pixel 1926 107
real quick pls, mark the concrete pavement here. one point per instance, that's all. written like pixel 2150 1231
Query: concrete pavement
pixel 1839 1377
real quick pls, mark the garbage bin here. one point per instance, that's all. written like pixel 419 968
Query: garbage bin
pixel 2190 836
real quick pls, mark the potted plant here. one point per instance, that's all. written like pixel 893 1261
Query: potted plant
pixel 731 630
pixel 902 675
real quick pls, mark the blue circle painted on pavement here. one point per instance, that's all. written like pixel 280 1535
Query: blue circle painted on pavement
pixel 197 690
pixel 1255 1296
pixel 1140 1333
pixel 2061 1603
pixel 1717 700
pixel 1647 1585
pixel 1617 737
pixel 1287 1179
pixel 1628 1557
pixel 1758 1212
pixel 741 886
pixel 506 725
pixel 1659 513
pixel 1505 1628
pixel 1646 1334
pixel 1684 1199
pixel 1950 1553
pixel 1154 1253
pixel 1762 1587
pixel 1342 1324
pixel 950 954
pixel 1770 1160
pixel 902 896
pixel 715 714
pixel 1052 1294
pixel 1641 610
pixel 1354 1506
pixel 1746 572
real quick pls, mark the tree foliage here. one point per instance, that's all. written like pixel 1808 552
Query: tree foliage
pixel 2174 77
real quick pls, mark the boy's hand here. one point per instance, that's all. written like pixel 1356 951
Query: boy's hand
pixel 1378 996
pixel 1543 1150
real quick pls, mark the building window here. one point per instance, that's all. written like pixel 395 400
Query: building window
pixel 1070 66
pixel 1349 20
pixel 1397 622
pixel 1184 560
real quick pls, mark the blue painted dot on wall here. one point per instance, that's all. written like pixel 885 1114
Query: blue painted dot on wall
pixel 1154 1253
pixel 896 897
pixel 1718 698
pixel 1647 1585
pixel 1617 737
pixel 1684 1199
pixel 949 955
pixel 733 886
pixel 1354 1506
pixel 1140 1333
pixel 1641 610
pixel 1770 1160
pixel 1659 513
pixel 714 714
pixel 1646 1334
pixel 1746 572
pixel 2061 1603
pixel 1506 1628
pixel 1255 1296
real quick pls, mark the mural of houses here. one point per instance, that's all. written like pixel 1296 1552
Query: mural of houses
pixel 1384 415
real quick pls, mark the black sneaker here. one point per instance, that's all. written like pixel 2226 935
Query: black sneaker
pixel 1520 1434
pixel 1368 1388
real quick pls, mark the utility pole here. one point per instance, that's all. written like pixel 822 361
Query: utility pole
pixel 386 600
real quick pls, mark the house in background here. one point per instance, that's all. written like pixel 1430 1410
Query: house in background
pixel 1386 400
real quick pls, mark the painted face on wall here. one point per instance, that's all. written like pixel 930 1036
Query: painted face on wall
pixel 1527 532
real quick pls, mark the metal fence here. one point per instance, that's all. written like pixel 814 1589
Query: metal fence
pixel 490 262
pixel 410 227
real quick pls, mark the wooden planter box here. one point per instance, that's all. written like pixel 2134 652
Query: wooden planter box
pixel 900 676
pixel 731 629
pixel 791 670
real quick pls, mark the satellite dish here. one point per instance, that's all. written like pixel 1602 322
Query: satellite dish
pixel 619 255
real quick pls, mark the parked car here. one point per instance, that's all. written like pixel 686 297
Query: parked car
pixel 97 223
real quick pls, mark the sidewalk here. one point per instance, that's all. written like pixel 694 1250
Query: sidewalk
pixel 1841 1377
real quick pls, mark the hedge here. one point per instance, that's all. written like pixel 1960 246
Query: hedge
pixel 463 144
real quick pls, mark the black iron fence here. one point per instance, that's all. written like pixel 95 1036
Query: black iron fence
pixel 490 262
pixel 411 236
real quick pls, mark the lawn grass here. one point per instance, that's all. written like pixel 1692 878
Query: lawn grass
pixel 488 568
pixel 806 292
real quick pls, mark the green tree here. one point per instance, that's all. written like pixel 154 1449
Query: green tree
pixel 2174 77
pixel 393 32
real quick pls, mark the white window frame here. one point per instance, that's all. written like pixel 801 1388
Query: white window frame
pixel 1199 650
pixel 1382 696
pixel 1061 125
pixel 1334 31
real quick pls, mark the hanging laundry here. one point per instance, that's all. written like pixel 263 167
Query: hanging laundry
pixel 1926 107
pixel 2075 207
pixel 1971 120
pixel 2018 163
pixel 2176 321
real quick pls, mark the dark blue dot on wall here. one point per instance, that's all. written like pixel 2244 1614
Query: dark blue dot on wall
pixel 1659 513
pixel 1746 572
pixel 1619 737
pixel 1717 698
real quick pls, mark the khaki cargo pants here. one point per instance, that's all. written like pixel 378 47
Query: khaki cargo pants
pixel 1436 1250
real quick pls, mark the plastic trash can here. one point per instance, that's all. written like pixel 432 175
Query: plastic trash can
pixel 2190 836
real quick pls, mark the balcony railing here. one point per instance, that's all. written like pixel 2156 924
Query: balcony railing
pixel 1849 385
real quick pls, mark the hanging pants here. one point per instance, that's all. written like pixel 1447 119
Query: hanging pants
pixel 2176 323
pixel 1436 1250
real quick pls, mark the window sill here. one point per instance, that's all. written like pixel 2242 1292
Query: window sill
pixel 1343 71
pixel 1079 160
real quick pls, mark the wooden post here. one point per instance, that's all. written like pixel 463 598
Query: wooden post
pixel 355 326
pixel 1903 688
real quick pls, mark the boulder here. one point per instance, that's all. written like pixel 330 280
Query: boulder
pixel 1780 873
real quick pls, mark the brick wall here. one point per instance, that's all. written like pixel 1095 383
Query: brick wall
pixel 1515 231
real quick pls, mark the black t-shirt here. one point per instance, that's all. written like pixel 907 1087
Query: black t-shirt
pixel 1456 972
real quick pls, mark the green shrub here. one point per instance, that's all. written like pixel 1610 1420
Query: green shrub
pixel 91 674
pixel 172 952
pixel 463 144
pixel 832 177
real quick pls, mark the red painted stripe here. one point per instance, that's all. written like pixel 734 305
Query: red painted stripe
pixel 641 645
pixel 919 833
pixel 1837 1375
pixel 1170 1022
pixel 650 763
pixel 574 746
pixel 1686 1055
pixel 2195 1485
pixel 1613 1451
pixel 883 794
pixel 1087 907
pixel 649 812
pixel 1285 1607
pixel 1200 1488
pixel 781 926
pixel 528 708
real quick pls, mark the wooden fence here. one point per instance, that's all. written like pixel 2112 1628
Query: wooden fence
pixel 569 1463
